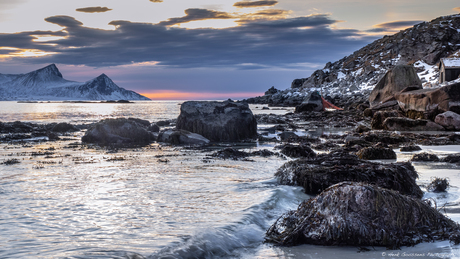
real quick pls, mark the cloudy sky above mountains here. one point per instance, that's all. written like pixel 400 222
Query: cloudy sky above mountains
pixel 200 49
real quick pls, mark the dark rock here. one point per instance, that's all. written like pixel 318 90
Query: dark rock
pixel 317 174
pixel 406 124
pixel 394 81
pixel 380 116
pixel 297 83
pixel 265 108
pixel 296 151
pixel 360 214
pixel 162 123
pixel 154 128
pixel 438 185
pixel 145 123
pixel 410 148
pixel 64 127
pixel 117 131
pixel 230 153
pixel 374 153
pixel 362 128
pixel 181 137
pixel 218 121
pixel 263 153
pixel 368 112
pixel 425 157
pixel 312 103
pixel 288 135
pixel 449 120
pixel 452 158
pixel 271 91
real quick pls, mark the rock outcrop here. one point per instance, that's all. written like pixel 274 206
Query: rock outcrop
pixel 406 124
pixel 449 120
pixel 359 214
pixel 181 137
pixel 119 131
pixel 317 174
pixel 394 81
pixel 312 103
pixel 218 121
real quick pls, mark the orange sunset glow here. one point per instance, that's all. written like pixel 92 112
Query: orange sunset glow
pixel 175 95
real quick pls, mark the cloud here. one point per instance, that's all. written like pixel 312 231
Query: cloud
pixel 156 1
pixel 394 26
pixel 251 45
pixel 97 9
pixel 456 9
pixel 197 14
pixel 244 4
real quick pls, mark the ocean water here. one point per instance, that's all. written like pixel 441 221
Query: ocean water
pixel 66 201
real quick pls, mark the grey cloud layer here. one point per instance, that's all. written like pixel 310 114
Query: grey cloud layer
pixel 256 3
pixel 256 44
pixel 391 26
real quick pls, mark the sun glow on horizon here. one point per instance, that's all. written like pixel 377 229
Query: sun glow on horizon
pixel 176 95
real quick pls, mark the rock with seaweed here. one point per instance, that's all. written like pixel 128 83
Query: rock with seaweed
pixel 119 131
pixel 452 158
pixel 296 151
pixel 318 173
pixel 181 137
pixel 374 153
pixel 438 185
pixel 360 214
pixel 425 157
pixel 410 148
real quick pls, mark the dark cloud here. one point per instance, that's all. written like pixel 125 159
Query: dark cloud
pixel 393 26
pixel 243 4
pixel 252 45
pixel 197 14
pixel 64 21
pixel 97 9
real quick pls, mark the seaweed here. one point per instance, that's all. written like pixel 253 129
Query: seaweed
pixel 360 214
pixel 438 184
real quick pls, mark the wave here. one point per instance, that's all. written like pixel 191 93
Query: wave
pixel 240 237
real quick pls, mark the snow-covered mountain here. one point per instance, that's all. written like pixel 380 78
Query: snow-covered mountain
pixel 354 76
pixel 48 84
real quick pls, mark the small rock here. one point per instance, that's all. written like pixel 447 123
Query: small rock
pixel 374 153
pixel 438 185
pixel 425 157
pixel 410 148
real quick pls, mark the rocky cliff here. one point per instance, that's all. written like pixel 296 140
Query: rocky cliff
pixel 354 76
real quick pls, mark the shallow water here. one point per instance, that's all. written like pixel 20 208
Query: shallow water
pixel 66 201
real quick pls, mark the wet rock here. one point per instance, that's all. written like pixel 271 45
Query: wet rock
pixel 450 120
pixel 360 214
pixel 142 122
pixel 438 185
pixel 394 81
pixel 154 128
pixel 362 128
pixel 218 121
pixel 181 137
pixel 64 127
pixel 312 103
pixel 452 158
pixel 380 116
pixel 317 174
pixel 234 154
pixel 288 135
pixel 117 131
pixel 425 157
pixel 374 153
pixel 296 151
pixel 406 124
pixel 368 112
pixel 410 148
pixel 162 123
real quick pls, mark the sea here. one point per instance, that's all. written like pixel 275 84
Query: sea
pixel 64 200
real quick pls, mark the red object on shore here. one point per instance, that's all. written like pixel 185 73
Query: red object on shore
pixel 329 105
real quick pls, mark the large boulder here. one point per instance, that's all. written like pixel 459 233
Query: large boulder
pixel 181 137
pixel 218 121
pixel 312 103
pixel 360 214
pixel 118 131
pixel 450 120
pixel 318 173
pixel 406 124
pixel 394 81
pixel 442 99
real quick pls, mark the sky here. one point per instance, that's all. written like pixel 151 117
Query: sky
pixel 200 49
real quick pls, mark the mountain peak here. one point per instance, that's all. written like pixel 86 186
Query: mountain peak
pixel 50 70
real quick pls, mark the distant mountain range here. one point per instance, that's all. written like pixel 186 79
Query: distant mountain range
pixel 48 84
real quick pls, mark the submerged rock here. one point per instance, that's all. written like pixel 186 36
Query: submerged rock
pixel 438 185
pixel 360 214
pixel 218 121
pixel 425 157
pixel 181 137
pixel 317 174
pixel 117 131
